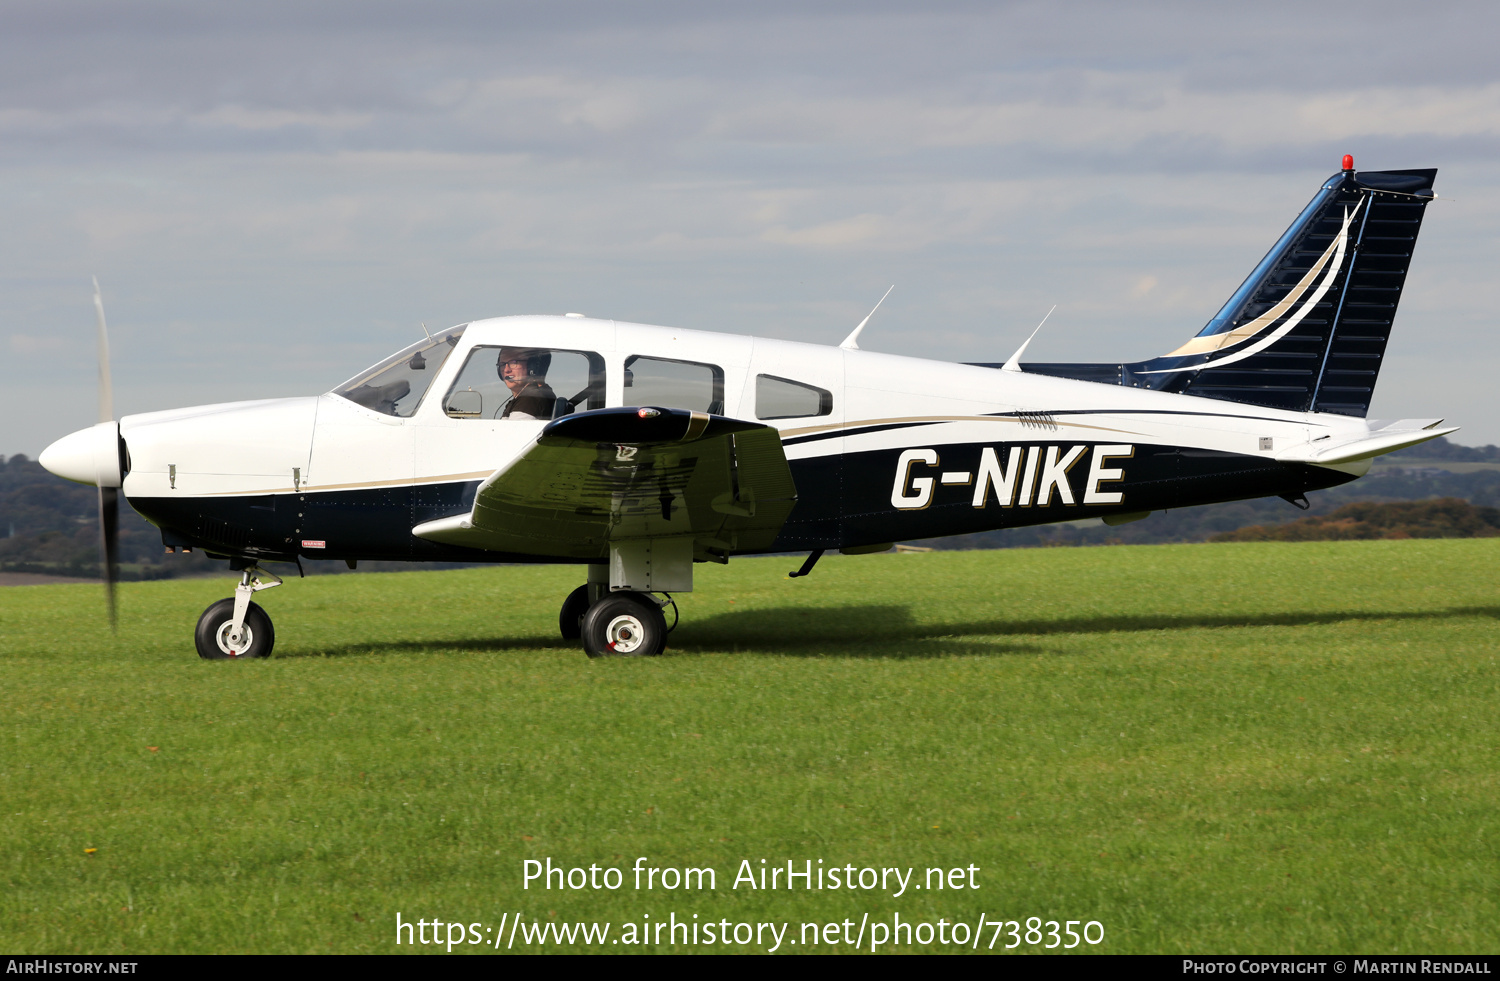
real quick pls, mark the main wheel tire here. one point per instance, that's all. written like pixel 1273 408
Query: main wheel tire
pixel 212 635
pixel 570 620
pixel 624 625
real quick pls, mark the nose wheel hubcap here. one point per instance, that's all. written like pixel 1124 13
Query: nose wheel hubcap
pixel 247 637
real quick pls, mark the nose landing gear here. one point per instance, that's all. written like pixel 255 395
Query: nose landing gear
pixel 238 628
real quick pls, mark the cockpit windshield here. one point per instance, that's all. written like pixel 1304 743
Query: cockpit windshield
pixel 396 385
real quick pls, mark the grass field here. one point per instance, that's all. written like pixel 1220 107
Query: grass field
pixel 1206 748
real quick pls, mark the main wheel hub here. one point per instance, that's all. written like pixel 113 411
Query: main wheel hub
pixel 625 634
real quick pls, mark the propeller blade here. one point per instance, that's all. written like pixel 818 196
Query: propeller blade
pixel 106 392
pixel 109 544
pixel 109 497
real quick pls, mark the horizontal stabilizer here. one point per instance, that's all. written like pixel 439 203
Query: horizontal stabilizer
pixel 1330 450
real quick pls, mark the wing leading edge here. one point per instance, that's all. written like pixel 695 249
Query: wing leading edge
pixel 624 474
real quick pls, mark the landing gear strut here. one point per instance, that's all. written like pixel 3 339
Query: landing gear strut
pixel 236 628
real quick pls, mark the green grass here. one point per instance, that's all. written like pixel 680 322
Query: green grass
pixel 1207 748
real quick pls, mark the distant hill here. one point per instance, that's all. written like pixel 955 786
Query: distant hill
pixel 50 526
pixel 1447 517
pixel 1424 480
pixel 1442 449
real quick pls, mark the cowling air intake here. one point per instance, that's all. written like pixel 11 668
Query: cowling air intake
pixel 1307 329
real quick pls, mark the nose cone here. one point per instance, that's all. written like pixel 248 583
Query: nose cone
pixel 89 456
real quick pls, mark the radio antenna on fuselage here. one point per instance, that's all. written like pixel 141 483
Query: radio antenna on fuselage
pixel 851 343
pixel 426 331
pixel 1014 364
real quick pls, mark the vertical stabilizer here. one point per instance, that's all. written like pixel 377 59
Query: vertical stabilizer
pixel 1307 329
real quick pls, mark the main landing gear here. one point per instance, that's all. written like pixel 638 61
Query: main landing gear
pixel 237 628
pixel 623 623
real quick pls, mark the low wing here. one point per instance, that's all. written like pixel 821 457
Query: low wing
pixel 627 473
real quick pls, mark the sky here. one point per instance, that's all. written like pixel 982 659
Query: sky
pixel 275 195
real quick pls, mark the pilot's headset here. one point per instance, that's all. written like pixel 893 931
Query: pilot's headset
pixel 537 362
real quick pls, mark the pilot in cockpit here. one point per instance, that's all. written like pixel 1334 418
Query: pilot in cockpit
pixel 524 371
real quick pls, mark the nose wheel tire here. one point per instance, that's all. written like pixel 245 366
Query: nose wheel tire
pixel 624 625
pixel 570 620
pixel 214 626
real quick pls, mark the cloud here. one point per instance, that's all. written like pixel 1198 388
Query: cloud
pixel 859 230
pixel 260 120
pixel 43 344
pixel 293 187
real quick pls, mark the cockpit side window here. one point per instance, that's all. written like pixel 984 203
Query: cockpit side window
pixel 674 384
pixel 396 385
pixel 517 382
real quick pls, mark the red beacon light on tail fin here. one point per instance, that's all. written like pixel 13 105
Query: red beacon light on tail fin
pixel 1348 161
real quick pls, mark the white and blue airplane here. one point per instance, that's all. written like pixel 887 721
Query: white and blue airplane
pixel 638 451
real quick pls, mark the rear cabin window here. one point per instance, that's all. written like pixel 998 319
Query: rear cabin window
pixel 674 384
pixel 782 398
pixel 513 382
